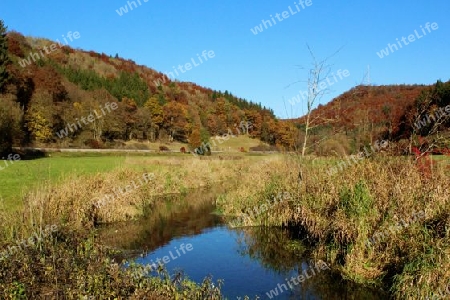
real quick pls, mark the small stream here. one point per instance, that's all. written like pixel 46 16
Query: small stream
pixel 182 232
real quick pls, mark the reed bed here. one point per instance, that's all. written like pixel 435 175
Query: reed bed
pixel 70 263
pixel 381 222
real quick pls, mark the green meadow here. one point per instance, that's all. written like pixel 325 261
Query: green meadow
pixel 24 175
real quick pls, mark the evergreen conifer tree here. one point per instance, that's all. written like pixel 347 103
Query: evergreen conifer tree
pixel 4 59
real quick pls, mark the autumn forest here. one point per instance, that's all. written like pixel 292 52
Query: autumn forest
pixel 42 98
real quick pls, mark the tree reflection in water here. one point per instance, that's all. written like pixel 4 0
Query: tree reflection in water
pixel 281 250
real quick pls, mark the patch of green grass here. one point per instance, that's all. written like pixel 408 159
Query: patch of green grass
pixel 25 175
pixel 441 158
pixel 120 153
pixel 234 143
pixel 21 176
pixel 356 203
pixel 230 143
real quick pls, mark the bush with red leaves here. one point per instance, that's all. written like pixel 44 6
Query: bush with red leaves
pixel 423 162
pixel 94 144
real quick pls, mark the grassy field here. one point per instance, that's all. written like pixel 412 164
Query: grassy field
pixel 70 261
pixel 22 176
pixel 362 220
pixel 381 222
pixel 230 144
pixel 26 175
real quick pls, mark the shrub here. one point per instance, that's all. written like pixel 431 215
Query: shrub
pixel 204 149
pixel 263 148
pixel 94 144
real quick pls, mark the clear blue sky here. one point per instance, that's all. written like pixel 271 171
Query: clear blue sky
pixel 162 34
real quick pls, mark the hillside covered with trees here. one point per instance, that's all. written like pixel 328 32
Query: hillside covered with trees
pixel 47 98
pixel 366 114
pixel 44 98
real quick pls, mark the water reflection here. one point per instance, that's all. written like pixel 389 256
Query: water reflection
pixel 277 249
pixel 282 251
pixel 170 217
pixel 253 261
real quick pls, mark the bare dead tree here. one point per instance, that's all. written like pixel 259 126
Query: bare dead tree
pixel 320 70
pixel 423 110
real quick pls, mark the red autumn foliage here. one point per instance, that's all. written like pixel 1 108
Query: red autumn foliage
pixel 16 42
pixel 423 162
pixel 366 105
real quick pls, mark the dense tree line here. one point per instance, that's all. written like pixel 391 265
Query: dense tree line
pixel 126 85
pixel 59 90
pixel 6 119
pixel 365 114
pixel 4 56
pixel 41 99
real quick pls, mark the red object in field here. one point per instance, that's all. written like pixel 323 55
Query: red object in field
pixel 423 162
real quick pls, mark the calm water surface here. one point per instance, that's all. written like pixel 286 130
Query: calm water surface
pixel 250 261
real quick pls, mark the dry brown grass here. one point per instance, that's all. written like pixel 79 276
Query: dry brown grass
pixel 341 212
pixel 73 201
pixel 72 255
